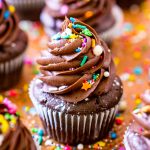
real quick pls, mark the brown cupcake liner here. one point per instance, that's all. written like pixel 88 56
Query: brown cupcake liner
pixel 10 72
pixel 74 128
pixel 27 4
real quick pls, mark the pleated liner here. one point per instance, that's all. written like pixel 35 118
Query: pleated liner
pixel 74 128
pixel 10 72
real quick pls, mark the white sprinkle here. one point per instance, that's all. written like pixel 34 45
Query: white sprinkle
pixel 98 50
pixel 106 74
pixel 122 105
pixel 80 146
pixel 62 87
pixel 49 142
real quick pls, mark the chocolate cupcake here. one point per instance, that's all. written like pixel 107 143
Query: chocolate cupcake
pixel 102 15
pixel 13 42
pixel 137 136
pixel 28 9
pixel 13 134
pixel 126 4
pixel 77 93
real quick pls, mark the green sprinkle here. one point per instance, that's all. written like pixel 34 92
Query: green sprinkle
pixel 18 114
pixel 34 130
pixel 40 140
pixel 84 60
pixel 94 77
pixel 87 32
pixel 7 116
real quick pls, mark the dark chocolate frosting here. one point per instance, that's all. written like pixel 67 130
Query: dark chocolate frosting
pixel 8 24
pixel 14 135
pixel 77 64
pixel 96 13
pixel 13 41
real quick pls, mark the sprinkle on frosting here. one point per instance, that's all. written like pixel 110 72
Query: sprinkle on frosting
pixel 76 59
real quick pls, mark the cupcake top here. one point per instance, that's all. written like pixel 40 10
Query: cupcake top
pixel 93 12
pixel 77 64
pixel 10 32
pixel 13 134
pixel 140 129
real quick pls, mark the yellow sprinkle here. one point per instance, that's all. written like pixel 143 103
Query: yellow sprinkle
pixel 27 108
pixel 1 98
pixel 11 8
pixel 93 43
pixel 73 36
pixel 138 101
pixel 137 55
pixel 116 61
pixel 101 143
pixel 13 120
pixel 70 25
pixel 25 87
pixel 4 124
pixel 131 78
pixel 88 14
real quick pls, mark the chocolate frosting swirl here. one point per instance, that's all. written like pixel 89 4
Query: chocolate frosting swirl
pixel 62 70
pixel 17 137
pixel 93 12
pixel 8 24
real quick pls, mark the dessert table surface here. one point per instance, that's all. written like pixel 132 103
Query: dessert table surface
pixel 131 52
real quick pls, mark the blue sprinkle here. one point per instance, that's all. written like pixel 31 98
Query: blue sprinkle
pixel 56 37
pixel 78 50
pixel 72 19
pixel 6 14
pixel 40 132
pixel 138 70
pixel 113 135
pixel 65 37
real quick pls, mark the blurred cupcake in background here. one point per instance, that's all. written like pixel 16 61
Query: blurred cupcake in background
pixel 137 135
pixel 28 9
pixel 126 4
pixel 103 15
pixel 13 43
pixel 13 133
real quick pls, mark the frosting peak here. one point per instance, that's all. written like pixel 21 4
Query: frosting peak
pixel 77 64
pixel 8 24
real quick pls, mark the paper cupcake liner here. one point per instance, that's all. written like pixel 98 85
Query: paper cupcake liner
pixel 74 128
pixel 10 72
pixel 114 31
pixel 27 4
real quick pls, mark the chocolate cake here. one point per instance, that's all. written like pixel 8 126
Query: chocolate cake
pixel 13 42
pixel 78 91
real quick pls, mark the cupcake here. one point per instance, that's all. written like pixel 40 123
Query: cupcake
pixel 102 15
pixel 78 91
pixel 126 4
pixel 28 9
pixel 13 42
pixel 137 136
pixel 13 134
